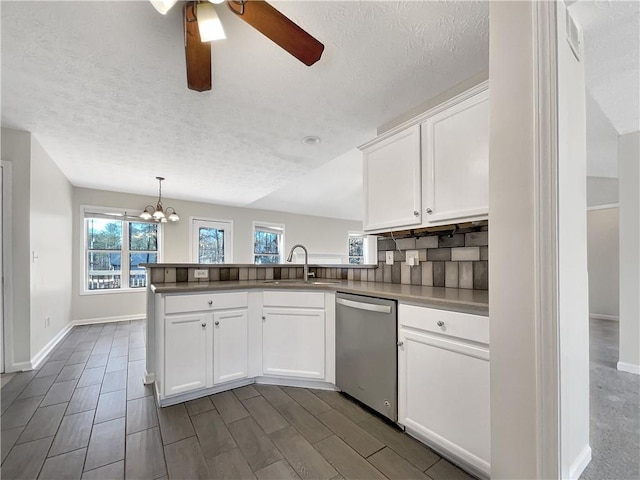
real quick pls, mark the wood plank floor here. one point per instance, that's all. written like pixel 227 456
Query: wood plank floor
pixel 86 414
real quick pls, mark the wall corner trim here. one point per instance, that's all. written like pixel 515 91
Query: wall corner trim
pixel 580 463
pixel 629 368
pixel 37 359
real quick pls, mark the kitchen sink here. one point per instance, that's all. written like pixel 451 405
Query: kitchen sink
pixel 301 282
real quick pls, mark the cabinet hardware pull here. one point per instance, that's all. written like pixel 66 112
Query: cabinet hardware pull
pixel 204 325
pixel 400 344
pixel 264 318
pixel 416 213
pixel 440 323
pixel 216 323
pixel 210 302
pixel 429 211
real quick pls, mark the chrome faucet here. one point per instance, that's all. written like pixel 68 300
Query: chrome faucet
pixel 306 260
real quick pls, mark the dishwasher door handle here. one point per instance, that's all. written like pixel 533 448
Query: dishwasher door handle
pixel 372 307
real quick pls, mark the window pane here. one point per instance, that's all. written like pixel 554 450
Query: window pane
pixel 143 236
pixel 356 246
pixel 267 259
pixel 104 234
pixel 211 245
pixel 266 242
pixel 138 274
pixel 104 270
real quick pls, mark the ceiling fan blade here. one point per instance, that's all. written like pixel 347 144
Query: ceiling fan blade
pixel 198 54
pixel 278 28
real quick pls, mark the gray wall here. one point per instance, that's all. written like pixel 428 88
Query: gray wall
pixel 51 230
pixel 41 221
pixel 603 263
pixel 16 148
pixel 320 235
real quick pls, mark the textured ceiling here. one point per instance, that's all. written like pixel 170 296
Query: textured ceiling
pixel 612 58
pixel 102 86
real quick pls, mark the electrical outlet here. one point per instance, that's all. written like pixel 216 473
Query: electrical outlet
pixel 201 274
pixel 412 258
pixel 390 257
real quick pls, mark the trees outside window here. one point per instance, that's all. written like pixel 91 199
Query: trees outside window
pixel 268 240
pixel 112 238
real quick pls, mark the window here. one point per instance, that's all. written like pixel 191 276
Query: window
pixel 116 245
pixel 356 248
pixel 211 241
pixel 268 242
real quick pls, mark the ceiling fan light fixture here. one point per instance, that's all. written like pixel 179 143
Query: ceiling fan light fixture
pixel 209 24
pixel 163 6
pixel 217 2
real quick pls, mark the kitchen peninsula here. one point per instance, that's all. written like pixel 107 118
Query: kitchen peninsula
pixel 208 335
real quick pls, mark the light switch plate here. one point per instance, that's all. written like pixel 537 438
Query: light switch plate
pixel 390 257
pixel 201 274
pixel 412 258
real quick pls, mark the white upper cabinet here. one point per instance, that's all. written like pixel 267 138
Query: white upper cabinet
pixel 392 181
pixel 431 170
pixel 455 161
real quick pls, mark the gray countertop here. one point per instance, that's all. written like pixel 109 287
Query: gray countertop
pixel 455 299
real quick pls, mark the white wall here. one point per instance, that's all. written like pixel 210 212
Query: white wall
pixel 629 157
pixel 51 229
pixel 512 283
pixel 601 191
pixel 16 148
pixel 603 263
pixel 320 235
pixel 602 142
pixel 573 286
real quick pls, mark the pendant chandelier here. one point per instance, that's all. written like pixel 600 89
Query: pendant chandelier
pixel 158 213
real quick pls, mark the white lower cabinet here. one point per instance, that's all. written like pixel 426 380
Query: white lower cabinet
pixel 230 345
pixel 207 340
pixel 186 352
pixel 293 342
pixel 443 383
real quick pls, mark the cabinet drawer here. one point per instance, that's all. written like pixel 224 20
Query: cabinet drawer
pixel 293 299
pixel 454 324
pixel 202 302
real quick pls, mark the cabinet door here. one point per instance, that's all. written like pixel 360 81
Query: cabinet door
pixel 293 342
pixel 230 340
pixel 185 353
pixel 443 394
pixel 455 149
pixel 392 181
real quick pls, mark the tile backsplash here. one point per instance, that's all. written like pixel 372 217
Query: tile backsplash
pixel 457 260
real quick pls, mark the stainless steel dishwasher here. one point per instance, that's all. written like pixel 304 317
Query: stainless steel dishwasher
pixel 366 351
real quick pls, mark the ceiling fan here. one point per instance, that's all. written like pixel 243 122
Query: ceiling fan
pixel 202 25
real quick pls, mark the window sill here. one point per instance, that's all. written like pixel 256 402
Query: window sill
pixel 113 291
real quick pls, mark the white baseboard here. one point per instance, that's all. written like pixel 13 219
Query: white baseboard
pixel 18 367
pixel 38 357
pixel 580 463
pixel 600 316
pixel 629 368
pixel 121 318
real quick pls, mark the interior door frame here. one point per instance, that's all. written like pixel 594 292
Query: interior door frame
pixel 7 270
